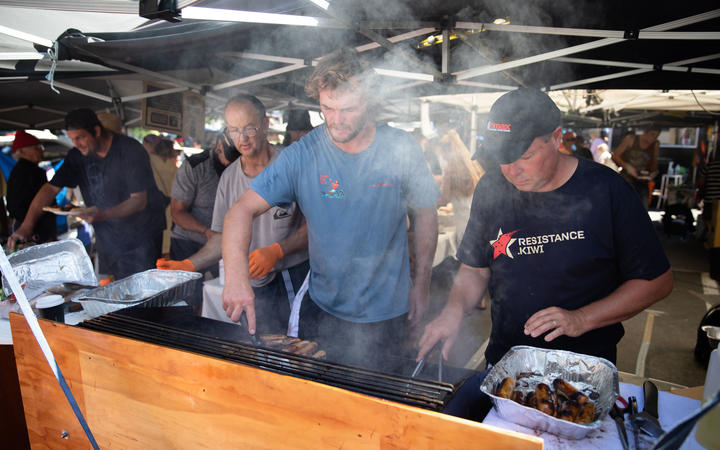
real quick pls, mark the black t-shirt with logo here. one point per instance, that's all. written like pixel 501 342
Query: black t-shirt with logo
pixel 566 248
pixel 106 182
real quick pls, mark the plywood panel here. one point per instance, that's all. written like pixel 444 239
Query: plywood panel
pixel 140 395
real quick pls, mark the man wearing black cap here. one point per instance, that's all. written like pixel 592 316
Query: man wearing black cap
pixel 564 245
pixel 114 175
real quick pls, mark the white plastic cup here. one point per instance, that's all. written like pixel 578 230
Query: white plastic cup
pixel 51 307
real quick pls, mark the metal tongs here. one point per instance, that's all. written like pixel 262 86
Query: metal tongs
pixel 421 363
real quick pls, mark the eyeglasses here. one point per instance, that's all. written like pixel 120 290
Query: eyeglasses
pixel 247 132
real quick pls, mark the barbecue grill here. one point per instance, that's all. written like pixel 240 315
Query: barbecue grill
pixel 199 335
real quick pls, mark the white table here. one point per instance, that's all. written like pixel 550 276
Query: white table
pixel 672 410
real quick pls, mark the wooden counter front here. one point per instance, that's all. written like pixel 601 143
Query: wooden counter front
pixel 139 395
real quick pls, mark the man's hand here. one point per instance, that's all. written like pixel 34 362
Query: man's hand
pixel 237 300
pixel 262 260
pixel 444 328
pixel 94 215
pixel 20 235
pixel 560 321
pixel 419 305
pixel 169 264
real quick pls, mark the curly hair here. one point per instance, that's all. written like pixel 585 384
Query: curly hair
pixel 336 70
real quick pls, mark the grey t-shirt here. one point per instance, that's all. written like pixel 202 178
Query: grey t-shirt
pixel 272 226
pixel 196 183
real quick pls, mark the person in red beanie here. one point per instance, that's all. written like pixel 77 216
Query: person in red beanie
pixel 25 181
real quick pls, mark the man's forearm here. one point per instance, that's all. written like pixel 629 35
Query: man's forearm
pixel 44 197
pixel 630 298
pixel 209 254
pixel 134 204
pixel 182 217
pixel 236 236
pixel 295 242
pixel 425 242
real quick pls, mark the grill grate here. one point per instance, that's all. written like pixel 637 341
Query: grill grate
pixel 426 394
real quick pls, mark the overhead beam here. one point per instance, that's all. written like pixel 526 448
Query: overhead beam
pixel 584 32
pixel 20 56
pixel 26 36
pixel 381 41
pixel 78 90
pixel 18 124
pixel 14 108
pixel 502 87
pixel 396 39
pixel 403 74
pixel 471 73
pixel 49 122
pixel 674 66
pixel 259 76
pixel 591 80
pixel 132 98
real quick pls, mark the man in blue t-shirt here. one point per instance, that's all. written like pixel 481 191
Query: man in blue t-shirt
pixel 562 243
pixel 124 205
pixel 356 182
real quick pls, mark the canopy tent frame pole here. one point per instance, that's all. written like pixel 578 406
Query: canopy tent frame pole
pixel 258 76
pixel 666 67
pixel 14 108
pixel 380 40
pixel 132 98
pixel 396 39
pixel 81 91
pixel 12 122
pixel 501 87
pixel 627 73
pixel 49 122
pixel 26 36
pixel 20 56
pixel 585 32
pixel 485 70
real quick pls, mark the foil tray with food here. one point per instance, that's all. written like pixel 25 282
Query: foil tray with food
pixel 46 265
pixel 150 288
pixel 564 393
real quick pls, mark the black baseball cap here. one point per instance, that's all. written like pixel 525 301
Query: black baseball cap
pixel 515 120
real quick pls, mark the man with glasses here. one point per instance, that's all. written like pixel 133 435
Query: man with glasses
pixel 114 175
pixel 24 182
pixel 278 252
pixel 356 182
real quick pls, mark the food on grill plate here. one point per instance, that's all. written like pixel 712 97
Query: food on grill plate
pixel 293 345
pixel 564 402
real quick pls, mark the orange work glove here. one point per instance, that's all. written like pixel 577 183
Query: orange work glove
pixel 169 264
pixel 263 259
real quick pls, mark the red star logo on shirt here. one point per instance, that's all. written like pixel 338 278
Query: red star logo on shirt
pixel 502 243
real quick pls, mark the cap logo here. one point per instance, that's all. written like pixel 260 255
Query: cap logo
pixel 504 127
